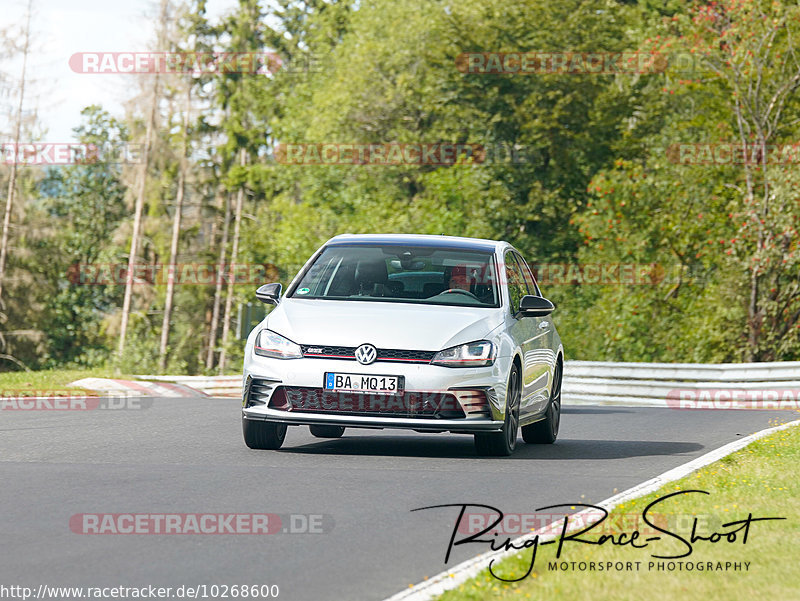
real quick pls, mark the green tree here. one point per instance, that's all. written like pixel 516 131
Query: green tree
pixel 86 202
pixel 725 231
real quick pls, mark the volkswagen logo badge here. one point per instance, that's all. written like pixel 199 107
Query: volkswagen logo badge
pixel 366 354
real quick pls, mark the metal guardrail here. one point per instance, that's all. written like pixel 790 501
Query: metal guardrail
pixel 605 383
pixel 652 384
pixel 718 372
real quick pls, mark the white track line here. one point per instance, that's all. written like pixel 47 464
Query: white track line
pixel 450 579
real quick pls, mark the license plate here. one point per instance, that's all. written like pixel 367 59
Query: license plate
pixel 363 383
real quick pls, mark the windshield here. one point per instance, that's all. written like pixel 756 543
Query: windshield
pixel 407 274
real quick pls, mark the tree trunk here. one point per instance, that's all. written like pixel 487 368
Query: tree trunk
pixel 12 180
pixel 226 321
pixel 140 194
pixel 753 318
pixel 212 336
pixel 176 232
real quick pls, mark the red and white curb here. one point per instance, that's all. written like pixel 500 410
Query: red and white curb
pixel 453 577
pixel 215 386
pixel 137 388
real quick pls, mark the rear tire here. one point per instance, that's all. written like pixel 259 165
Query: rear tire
pixel 326 431
pixel 546 431
pixel 263 434
pixel 503 443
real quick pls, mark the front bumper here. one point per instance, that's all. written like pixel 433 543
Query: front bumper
pixel 298 418
pixel 271 375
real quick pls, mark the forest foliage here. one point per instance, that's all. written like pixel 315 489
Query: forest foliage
pixel 684 171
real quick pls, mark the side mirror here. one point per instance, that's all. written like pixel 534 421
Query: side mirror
pixel 535 306
pixel 269 293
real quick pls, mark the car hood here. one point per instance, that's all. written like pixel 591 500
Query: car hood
pixel 385 325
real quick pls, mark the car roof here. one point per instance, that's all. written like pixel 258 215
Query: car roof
pixel 417 239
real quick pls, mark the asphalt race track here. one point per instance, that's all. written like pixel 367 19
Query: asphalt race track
pixel 187 456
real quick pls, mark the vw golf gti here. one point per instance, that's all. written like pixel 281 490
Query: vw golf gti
pixel 427 333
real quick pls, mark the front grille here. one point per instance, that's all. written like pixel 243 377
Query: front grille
pixel 349 353
pixel 402 355
pixel 433 405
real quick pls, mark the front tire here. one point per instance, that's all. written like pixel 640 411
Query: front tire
pixel 503 443
pixel 263 434
pixel 326 431
pixel 546 430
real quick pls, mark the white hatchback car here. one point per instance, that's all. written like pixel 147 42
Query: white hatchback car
pixel 427 333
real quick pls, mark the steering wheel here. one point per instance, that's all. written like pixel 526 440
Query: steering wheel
pixel 460 291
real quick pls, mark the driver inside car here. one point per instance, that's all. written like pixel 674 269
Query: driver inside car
pixel 459 279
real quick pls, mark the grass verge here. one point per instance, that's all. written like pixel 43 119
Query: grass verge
pixel 51 381
pixel 761 479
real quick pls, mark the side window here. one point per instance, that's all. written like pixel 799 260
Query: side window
pixel 515 281
pixel 529 279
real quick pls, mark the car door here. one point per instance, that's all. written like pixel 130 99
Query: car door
pixel 527 335
pixel 544 326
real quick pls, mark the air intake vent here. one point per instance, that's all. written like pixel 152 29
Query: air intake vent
pixel 260 391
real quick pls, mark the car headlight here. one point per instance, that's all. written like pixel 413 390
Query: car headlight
pixel 473 354
pixel 270 344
